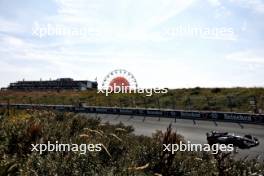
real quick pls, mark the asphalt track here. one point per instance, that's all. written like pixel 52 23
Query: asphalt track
pixel 194 131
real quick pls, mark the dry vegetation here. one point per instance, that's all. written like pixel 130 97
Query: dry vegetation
pixel 124 152
pixel 220 99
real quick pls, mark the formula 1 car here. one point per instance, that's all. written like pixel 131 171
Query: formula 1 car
pixel 242 142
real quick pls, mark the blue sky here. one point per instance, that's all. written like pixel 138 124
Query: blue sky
pixel 156 40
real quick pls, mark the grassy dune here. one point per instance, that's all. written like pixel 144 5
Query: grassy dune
pixel 220 99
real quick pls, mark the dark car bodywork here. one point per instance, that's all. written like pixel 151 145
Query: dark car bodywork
pixel 242 142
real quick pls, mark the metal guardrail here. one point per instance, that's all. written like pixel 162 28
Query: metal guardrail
pixel 168 113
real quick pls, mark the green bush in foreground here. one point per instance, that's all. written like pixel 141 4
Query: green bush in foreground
pixel 123 153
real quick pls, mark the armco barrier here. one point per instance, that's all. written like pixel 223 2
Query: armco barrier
pixel 168 113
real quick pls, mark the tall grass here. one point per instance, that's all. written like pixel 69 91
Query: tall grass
pixel 123 152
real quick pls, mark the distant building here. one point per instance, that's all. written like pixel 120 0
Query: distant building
pixel 59 84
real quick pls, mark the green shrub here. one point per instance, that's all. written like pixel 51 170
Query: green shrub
pixel 123 153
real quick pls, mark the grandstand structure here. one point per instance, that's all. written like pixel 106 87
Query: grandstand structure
pixel 58 84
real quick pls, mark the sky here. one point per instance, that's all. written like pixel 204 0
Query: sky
pixel 163 43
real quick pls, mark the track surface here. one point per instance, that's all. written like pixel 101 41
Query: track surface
pixel 194 131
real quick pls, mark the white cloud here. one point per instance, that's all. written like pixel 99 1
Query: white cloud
pixel 247 56
pixel 10 26
pixel 255 5
pixel 214 3
pixel 220 9
pixel 13 41
pixel 128 41
pixel 137 12
pixel 126 19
